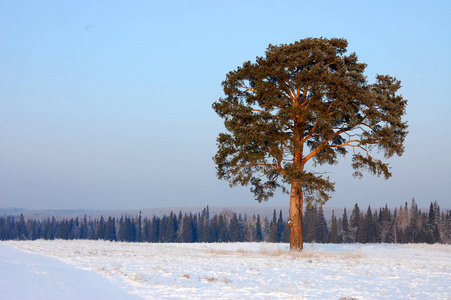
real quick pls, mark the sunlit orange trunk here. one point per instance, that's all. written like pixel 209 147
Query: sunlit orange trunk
pixel 296 203
pixel 296 198
pixel 296 195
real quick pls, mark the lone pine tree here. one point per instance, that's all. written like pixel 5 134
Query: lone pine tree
pixel 305 102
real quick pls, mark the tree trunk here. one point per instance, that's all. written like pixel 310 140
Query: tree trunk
pixel 296 196
pixel 296 204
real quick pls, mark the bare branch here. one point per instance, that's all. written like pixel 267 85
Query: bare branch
pixel 243 86
pixel 348 143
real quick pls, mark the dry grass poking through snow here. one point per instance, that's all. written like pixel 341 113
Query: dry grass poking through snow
pixel 310 252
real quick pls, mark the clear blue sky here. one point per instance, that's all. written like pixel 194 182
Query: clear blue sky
pixel 107 104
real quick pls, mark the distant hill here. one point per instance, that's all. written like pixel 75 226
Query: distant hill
pixel 263 211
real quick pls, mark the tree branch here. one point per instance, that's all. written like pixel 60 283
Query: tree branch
pixel 242 85
pixel 267 113
pixel 348 143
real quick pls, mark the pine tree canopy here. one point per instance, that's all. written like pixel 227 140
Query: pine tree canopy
pixel 306 101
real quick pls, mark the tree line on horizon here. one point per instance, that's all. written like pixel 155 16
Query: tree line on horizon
pixel 406 224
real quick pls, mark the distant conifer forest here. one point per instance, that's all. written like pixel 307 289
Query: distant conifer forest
pixel 406 224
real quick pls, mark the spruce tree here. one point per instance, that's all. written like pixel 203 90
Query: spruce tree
pixel 121 234
pixel 214 229
pixel 139 233
pixel 361 236
pixel 355 223
pixel 309 223
pixel 345 227
pixel 194 225
pixel 446 219
pixel 100 229
pixel 322 234
pixel 204 226
pixel 110 229
pixel 84 228
pixel 171 228
pixel 280 226
pixel 333 237
pixel 369 228
pixel 285 238
pixel 20 228
pixel 163 229
pixel 223 230
pixel 240 228
pixel 385 220
pixel 233 230
pixel 258 230
pixel 154 230
pixel 431 217
pixel 273 231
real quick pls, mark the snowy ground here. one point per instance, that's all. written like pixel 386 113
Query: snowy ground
pixel 226 271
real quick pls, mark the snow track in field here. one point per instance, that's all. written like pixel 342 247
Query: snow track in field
pixel 31 276
pixel 260 270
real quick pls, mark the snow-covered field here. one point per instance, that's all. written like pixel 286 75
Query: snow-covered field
pixel 227 271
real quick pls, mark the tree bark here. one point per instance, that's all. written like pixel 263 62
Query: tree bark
pixel 296 207
pixel 296 196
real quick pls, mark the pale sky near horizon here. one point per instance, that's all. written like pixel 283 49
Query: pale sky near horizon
pixel 107 104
